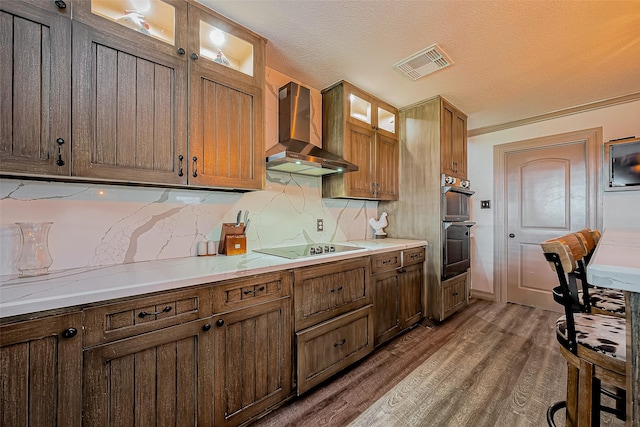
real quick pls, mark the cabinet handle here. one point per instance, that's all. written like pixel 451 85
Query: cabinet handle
pixel 339 343
pixel 455 294
pixel 144 314
pixel 260 289
pixel 60 162
pixel 181 51
pixel 60 4
pixel 195 166
pixel 219 323
pixel 206 327
pixel 249 291
pixel 336 290
pixel 402 270
pixel 180 158
pixel 70 332
pixel 194 56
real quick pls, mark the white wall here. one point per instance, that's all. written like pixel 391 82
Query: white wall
pixel 620 209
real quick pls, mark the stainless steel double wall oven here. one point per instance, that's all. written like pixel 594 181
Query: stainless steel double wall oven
pixel 456 203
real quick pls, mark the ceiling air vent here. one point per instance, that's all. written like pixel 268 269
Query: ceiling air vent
pixel 425 62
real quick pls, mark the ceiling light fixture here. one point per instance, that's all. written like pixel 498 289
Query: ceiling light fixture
pixel 425 62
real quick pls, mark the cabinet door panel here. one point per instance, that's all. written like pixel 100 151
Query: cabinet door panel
pixel 325 291
pixel 386 304
pixel 135 381
pixel 41 373
pixel 387 161
pixel 411 283
pixel 129 112
pixel 253 362
pixel 225 135
pixel 360 152
pixel 35 83
pixel 326 349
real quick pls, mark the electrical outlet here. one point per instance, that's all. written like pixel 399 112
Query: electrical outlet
pixel 485 204
pixel 320 224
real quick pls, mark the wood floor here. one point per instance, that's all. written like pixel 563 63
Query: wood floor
pixel 489 365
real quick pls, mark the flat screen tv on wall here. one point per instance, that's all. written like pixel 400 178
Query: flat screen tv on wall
pixel 623 164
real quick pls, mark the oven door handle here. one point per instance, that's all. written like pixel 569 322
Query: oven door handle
pixel 464 223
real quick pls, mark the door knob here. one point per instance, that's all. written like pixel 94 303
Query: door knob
pixel 511 235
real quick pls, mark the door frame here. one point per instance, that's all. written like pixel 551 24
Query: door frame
pixel 593 139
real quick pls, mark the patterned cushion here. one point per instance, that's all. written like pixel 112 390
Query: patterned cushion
pixel 607 299
pixel 600 333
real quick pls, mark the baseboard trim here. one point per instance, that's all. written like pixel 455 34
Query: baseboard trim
pixel 483 295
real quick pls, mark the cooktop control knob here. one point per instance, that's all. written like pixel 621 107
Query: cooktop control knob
pixel 332 248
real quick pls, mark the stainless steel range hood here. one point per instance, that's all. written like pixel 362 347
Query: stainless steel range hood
pixel 295 153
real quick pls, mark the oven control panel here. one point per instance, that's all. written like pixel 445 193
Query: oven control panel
pixel 452 181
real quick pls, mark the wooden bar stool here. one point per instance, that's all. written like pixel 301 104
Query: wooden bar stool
pixel 593 345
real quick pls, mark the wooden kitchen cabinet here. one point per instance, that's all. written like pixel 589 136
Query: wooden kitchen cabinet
pixel 423 133
pixel 363 130
pixel 453 296
pixel 131 317
pixel 164 376
pixel 253 360
pixel 453 134
pixel 41 372
pixel 137 81
pixel 35 88
pixel 398 283
pixel 329 347
pixel 328 290
pixel 333 319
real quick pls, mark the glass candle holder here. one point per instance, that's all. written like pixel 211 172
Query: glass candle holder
pixel 34 258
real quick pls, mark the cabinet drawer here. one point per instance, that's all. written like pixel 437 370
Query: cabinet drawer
pixel 413 256
pixel 386 261
pixel 328 290
pixel 249 291
pixel 329 347
pixel 128 318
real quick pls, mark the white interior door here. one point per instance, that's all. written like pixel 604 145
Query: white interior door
pixel 549 190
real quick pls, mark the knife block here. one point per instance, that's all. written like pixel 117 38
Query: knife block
pixel 233 241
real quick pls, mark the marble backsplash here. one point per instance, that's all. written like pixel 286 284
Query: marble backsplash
pixel 98 225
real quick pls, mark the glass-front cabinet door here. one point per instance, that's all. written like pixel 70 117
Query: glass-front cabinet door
pixel 365 110
pixel 161 21
pixel 154 18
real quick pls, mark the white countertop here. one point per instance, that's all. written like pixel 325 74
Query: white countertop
pixel 68 288
pixel 616 261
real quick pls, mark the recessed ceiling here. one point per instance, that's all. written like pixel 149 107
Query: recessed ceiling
pixel 512 59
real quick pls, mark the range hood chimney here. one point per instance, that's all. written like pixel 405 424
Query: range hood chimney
pixel 295 153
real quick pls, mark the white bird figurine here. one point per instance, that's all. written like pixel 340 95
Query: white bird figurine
pixel 378 225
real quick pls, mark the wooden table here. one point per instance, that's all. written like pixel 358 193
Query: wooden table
pixel 616 265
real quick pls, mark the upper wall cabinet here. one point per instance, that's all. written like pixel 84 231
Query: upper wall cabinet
pixel 363 130
pixel 35 84
pixel 164 92
pixel 453 137
pixel 130 92
pixel 226 105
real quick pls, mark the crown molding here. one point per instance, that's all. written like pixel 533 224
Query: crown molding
pixel 555 114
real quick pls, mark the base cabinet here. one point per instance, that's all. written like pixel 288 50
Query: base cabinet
pixel 326 349
pixel 398 284
pixel 41 372
pixel 453 295
pixel 252 360
pixel 161 377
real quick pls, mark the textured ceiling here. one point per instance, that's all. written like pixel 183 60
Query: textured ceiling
pixel 512 59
